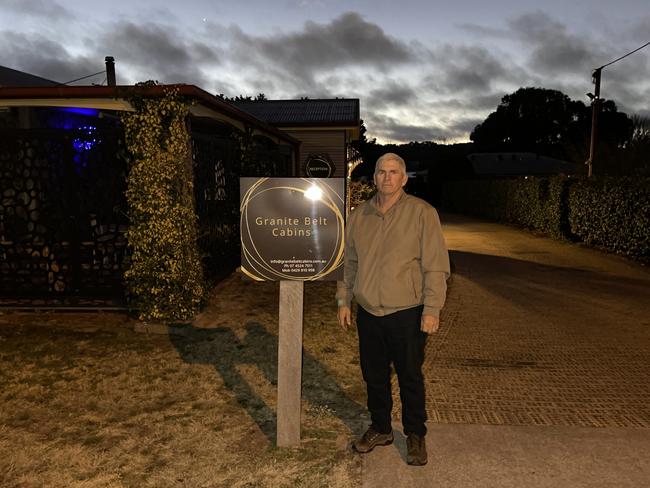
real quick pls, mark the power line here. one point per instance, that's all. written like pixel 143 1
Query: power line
pixel 84 77
pixel 595 108
pixel 625 55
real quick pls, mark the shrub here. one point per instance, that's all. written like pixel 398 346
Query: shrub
pixel 360 192
pixel 164 279
pixel 613 213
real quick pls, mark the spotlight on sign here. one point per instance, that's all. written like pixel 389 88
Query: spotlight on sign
pixel 314 193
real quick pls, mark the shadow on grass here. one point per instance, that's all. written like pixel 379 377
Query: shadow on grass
pixel 221 348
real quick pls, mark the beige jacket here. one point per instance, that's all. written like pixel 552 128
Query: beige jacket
pixel 395 261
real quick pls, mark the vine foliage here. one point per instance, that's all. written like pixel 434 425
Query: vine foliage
pixel 165 278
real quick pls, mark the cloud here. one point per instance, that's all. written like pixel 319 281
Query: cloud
pixel 559 58
pixel 43 57
pixel 347 56
pixel 554 49
pixel 482 31
pixel 391 129
pixel 306 4
pixel 38 8
pixel 477 102
pixel 345 41
pixel 390 92
pixel 473 68
pixel 142 52
pixel 463 126
pixel 639 31
pixel 158 51
pixel 468 69
pixel 408 91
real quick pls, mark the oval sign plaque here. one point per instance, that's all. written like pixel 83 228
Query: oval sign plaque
pixel 319 166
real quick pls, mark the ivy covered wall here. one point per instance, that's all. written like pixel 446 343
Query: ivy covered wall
pixel 164 279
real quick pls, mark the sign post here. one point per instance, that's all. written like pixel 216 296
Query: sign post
pixel 289 363
pixel 291 231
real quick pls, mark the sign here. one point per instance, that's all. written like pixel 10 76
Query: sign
pixel 292 228
pixel 319 166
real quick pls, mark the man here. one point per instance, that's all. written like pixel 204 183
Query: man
pixel 396 267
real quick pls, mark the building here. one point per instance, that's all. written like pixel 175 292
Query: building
pixel 63 167
pixel 12 77
pixel 325 128
pixel 63 214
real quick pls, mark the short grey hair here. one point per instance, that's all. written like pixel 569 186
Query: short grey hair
pixel 391 157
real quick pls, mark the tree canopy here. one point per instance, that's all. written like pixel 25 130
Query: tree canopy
pixel 549 122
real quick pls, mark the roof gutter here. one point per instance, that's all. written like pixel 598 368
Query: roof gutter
pixel 116 98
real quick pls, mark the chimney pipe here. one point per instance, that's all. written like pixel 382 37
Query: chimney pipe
pixel 110 70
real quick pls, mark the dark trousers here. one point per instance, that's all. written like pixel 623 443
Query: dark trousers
pixel 395 338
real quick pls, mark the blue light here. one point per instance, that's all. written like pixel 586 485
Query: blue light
pixel 92 112
pixel 82 146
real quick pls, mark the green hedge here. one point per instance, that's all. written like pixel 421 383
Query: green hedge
pixel 612 213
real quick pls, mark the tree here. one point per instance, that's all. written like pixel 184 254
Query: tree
pixel 260 97
pixel 366 148
pixel 363 139
pixel 638 150
pixel 550 123
pixel 531 119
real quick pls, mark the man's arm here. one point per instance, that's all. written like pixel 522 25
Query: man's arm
pixel 435 270
pixel 344 288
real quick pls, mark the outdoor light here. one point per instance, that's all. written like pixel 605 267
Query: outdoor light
pixel 314 193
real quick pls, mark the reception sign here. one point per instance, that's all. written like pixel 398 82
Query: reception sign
pixel 319 166
pixel 292 228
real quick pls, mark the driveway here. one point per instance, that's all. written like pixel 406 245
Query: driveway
pixel 542 356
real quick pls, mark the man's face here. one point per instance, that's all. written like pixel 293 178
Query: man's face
pixel 389 177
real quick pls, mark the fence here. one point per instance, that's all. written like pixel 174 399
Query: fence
pixel 62 213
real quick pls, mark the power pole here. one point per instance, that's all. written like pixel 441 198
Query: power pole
pixel 595 110
pixel 595 107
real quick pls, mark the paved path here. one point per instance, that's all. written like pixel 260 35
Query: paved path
pixel 539 375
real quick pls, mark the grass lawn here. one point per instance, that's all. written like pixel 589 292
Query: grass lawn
pixel 88 402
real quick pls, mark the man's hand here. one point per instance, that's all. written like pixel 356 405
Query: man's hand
pixel 345 319
pixel 428 323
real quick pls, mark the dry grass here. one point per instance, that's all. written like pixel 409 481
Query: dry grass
pixel 88 402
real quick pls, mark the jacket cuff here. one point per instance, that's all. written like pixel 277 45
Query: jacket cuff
pixel 343 295
pixel 342 302
pixel 431 311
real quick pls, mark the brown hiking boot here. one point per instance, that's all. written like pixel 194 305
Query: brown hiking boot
pixel 416 450
pixel 371 439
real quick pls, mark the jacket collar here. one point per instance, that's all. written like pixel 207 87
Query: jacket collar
pixel 373 208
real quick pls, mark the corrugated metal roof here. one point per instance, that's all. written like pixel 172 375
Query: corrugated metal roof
pixel 13 77
pixel 325 112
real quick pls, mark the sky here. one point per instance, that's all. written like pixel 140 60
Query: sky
pixel 423 70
